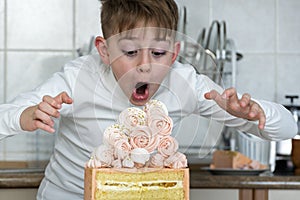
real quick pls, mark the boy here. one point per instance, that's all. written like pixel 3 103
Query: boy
pixel 138 63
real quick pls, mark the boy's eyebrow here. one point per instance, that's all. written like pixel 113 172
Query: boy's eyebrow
pixel 155 40
pixel 162 40
pixel 158 39
pixel 127 38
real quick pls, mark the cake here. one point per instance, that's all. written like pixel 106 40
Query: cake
pixel 234 160
pixel 139 159
pixel 109 183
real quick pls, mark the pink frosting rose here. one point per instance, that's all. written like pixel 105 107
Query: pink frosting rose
pixel 160 124
pixel 167 146
pixel 103 156
pixel 141 137
pixel 122 148
pixel 112 134
pixel 117 163
pixel 128 163
pixel 139 156
pixel 93 163
pixel 132 117
pixel 154 106
pixel 176 161
pixel 156 161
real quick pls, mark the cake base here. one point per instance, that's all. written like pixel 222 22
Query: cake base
pixel 144 183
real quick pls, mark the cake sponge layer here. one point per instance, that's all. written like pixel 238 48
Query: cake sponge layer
pixel 145 194
pixel 142 183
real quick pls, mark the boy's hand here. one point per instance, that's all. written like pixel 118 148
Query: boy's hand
pixel 40 116
pixel 242 108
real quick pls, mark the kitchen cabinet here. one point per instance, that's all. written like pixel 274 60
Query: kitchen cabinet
pixel 266 187
pixel 18 193
pixel 233 194
pixel 284 194
pixel 214 194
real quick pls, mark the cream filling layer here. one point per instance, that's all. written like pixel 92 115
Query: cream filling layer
pixel 150 185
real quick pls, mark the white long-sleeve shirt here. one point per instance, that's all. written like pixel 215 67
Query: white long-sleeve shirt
pixel 98 100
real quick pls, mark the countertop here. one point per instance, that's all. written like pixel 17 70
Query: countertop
pixel 21 179
pixel 198 179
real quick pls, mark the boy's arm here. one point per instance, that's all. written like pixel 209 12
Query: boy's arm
pixel 25 104
pixel 242 107
pixel 265 119
pixel 40 116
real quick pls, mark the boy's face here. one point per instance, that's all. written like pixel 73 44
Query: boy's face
pixel 140 60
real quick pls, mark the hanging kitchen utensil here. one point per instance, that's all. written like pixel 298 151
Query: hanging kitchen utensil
pixel 182 30
pixel 221 51
pixel 201 37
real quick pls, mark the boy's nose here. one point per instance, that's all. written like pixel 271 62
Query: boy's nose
pixel 146 68
pixel 145 62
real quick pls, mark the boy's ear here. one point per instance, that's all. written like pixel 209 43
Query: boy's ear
pixel 176 51
pixel 100 44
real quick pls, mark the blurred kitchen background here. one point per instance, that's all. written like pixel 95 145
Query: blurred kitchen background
pixel 38 36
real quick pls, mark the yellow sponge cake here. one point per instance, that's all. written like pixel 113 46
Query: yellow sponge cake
pixel 132 184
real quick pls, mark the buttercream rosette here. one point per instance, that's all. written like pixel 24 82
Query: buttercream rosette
pixel 102 156
pixel 132 117
pixel 114 133
pixel 141 138
pixel 167 146
pixel 155 106
pixel 160 124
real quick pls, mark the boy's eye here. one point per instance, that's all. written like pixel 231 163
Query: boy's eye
pixel 157 53
pixel 130 53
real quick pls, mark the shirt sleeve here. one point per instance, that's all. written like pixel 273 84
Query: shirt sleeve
pixel 280 123
pixel 11 111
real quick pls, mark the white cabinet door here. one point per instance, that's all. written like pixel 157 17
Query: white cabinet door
pixel 284 194
pixel 214 194
pixel 17 194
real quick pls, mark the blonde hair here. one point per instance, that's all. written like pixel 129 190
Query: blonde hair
pixel 122 15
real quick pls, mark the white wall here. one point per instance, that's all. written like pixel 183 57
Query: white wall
pixel 266 33
pixel 38 36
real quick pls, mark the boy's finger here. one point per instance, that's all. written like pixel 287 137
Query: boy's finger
pixel 44 127
pixel 230 94
pixel 48 109
pixel 63 98
pixel 262 122
pixel 245 100
pixel 66 99
pixel 43 117
pixel 212 95
pixel 51 101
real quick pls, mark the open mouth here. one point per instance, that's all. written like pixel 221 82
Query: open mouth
pixel 141 91
pixel 141 88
